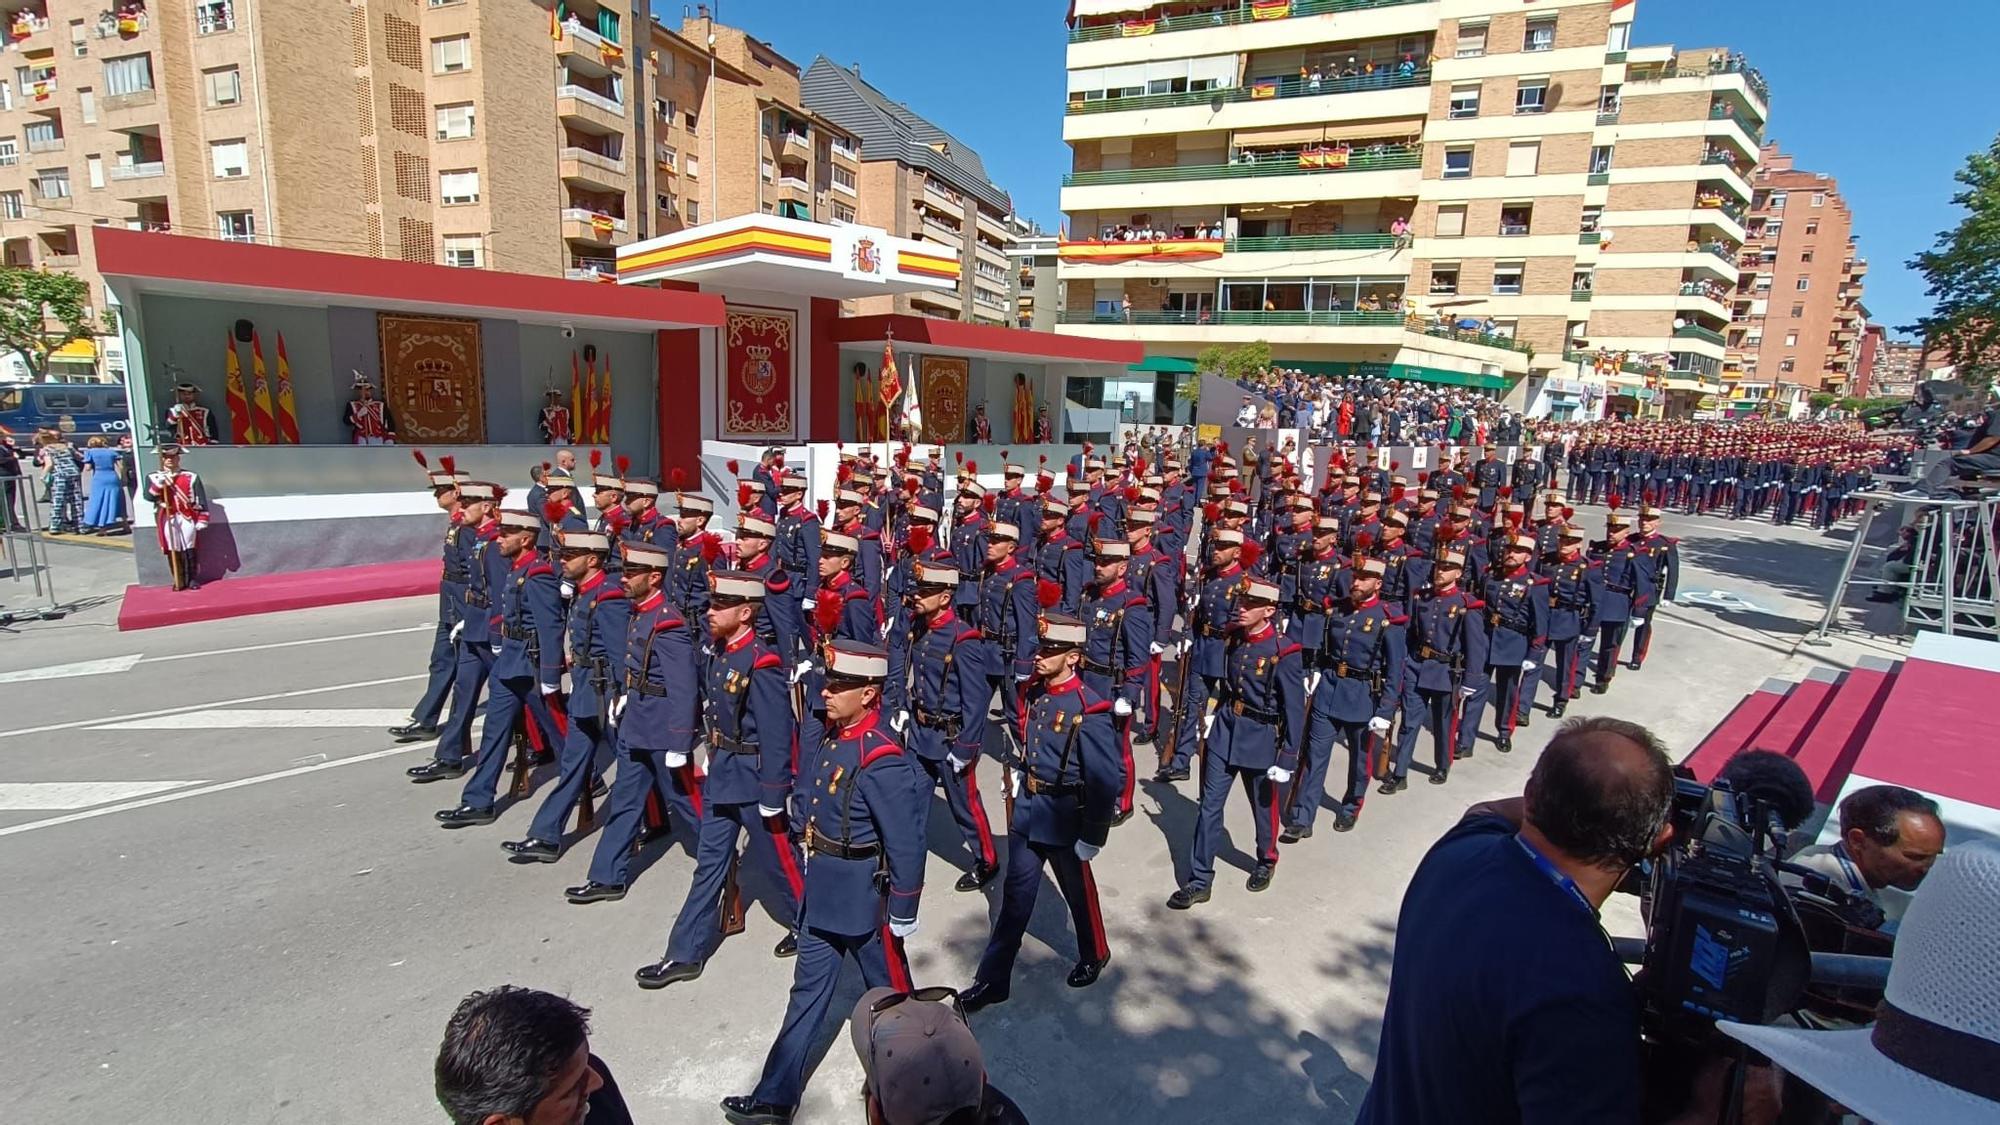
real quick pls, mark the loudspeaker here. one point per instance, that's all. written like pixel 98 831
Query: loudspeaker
pixel 243 330
pixel 590 353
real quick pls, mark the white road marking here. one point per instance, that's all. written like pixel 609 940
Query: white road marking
pixel 80 794
pixel 286 644
pixel 268 719
pixel 105 667
pixel 204 790
pixel 101 720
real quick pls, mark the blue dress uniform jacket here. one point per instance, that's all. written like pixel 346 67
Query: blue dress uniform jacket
pixel 868 565
pixel 1362 661
pixel 779 623
pixel 1060 559
pixel 860 616
pixel 486 571
pixel 747 719
pixel 660 673
pixel 1262 718
pixel 443 665
pixel 687 576
pixel 862 816
pixel 1517 618
pixel 1573 595
pixel 1405 575
pixel 1663 564
pixel 1319 579
pixel 599 614
pixel 968 553
pixel 1628 580
pixel 1117 653
pixel 572 520
pixel 1446 641
pixel 950 690
pixel 1212 620
pixel 531 612
pixel 798 548
pixel 1157 578
pixel 651 528
pixel 1069 766
pixel 1489 476
pixel 1009 619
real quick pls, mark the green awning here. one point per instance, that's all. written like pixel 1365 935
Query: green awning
pixel 1164 365
pixel 1404 371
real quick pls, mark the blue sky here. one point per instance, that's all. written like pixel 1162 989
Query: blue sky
pixel 1866 92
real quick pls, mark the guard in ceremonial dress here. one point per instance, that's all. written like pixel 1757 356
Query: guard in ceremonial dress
pixel 1008 617
pixel 1517 628
pixel 1065 786
pixel 451 585
pixel 1663 554
pixel 1251 731
pixel 643 523
pixel 1355 683
pixel 180 515
pixel 777 619
pixel 1627 587
pixel 1575 583
pixel 864 872
pixel 1060 558
pixel 368 418
pixel 1157 576
pixel 749 729
pixel 1204 651
pixel 478 622
pixel 559 511
pixel 1445 643
pixel 1117 656
pixel 186 421
pixel 694 551
pixel 945 726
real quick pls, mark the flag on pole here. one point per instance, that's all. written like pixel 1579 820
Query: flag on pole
pixel 603 433
pixel 587 425
pixel 288 410
pixel 891 384
pixel 239 403
pixel 264 429
pixel 555 20
pixel 575 396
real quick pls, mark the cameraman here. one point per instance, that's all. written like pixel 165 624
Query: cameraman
pixel 1889 838
pixel 1506 1003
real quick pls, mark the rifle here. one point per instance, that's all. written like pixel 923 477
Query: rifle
pixel 733 906
pixel 1173 738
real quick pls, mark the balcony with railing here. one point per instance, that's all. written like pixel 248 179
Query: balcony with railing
pixel 595 50
pixel 1297 242
pixel 589 225
pixel 1300 162
pixel 1697 332
pixel 591 269
pixel 1259 89
pixel 1228 15
pixel 142 170
pixel 587 165
pixel 1317 318
pixel 842 146
pixel 213 17
pixel 129 21
pixel 24 25
pixel 580 105
pixel 47 144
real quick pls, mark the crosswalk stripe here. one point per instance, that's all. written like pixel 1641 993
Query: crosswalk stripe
pixel 108 666
pixel 267 719
pixel 100 720
pixel 65 795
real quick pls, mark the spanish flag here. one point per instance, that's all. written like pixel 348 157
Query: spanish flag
pixel 602 435
pixel 555 20
pixel 232 393
pixel 1270 9
pixel 265 430
pixel 575 396
pixel 1263 88
pixel 1130 28
pixel 587 424
pixel 288 411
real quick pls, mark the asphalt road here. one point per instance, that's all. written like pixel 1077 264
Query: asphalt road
pixel 225 904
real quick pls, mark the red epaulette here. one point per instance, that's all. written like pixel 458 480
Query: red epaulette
pixel 877 753
pixel 667 622
pixel 767 659
pixel 968 635
pixel 608 592
pixel 1022 574
pixel 1097 708
pixel 1397 619
pixel 857 593
pixel 1285 650
pixel 868 534
pixel 536 570
pixel 778 582
pixel 1540 582
pixel 1474 603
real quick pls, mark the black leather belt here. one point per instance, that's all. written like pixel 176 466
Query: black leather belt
pixel 644 686
pixel 838 849
pixel 948 725
pixel 516 633
pixel 1267 717
pixel 457 575
pixel 720 741
pixel 478 599
pixel 1093 666
pixel 1042 788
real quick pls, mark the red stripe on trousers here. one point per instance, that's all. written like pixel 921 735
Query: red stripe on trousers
pixel 787 862
pixel 1131 775
pixel 892 956
pixel 986 857
pixel 1103 947
pixel 690 779
pixel 1272 859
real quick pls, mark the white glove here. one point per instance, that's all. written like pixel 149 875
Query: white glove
pixel 568 588
pixel 1281 776
pixel 1467 692
pixel 1187 642
pixel 1379 725
pixel 1024 677
pixel 800 669
pixel 957 764
pixel 1121 708
pixel 1312 682
pixel 1157 649
pixel 159 479
pixel 675 759
pixel 457 627
pixel 902 928
pixel 898 721
pixel 1637 622
pixel 1014 783
pixel 617 709
pixel 1207 724
pixel 1087 852
pixel 1530 665
pixel 806 604
pixel 551 689
pixel 496 648
pixel 769 813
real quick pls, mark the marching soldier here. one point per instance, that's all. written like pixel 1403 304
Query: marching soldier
pixel 777 620
pixel 1157 578
pixel 968 542
pixel 864 874
pixel 1007 616
pixel 558 511
pixel 1066 788
pixel 843 610
pixel 1355 686
pixel 1060 557
pixel 472 630
pixel 798 539
pixel 695 549
pixel 747 723
pixel 1517 627
pixel 1204 651
pixel 527 666
pixel 1489 476
pixel 1446 643
pixel 945 726
pixel 1664 562
pixel 643 523
pixel 1117 654
pixel 848 511
pixel 1627 586
pixel 607 494
pixel 1574 583
pixel 599 614
pixel 444 657
pixel 1251 730
pixel 654 717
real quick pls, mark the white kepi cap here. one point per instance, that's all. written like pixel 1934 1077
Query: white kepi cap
pixel 852 660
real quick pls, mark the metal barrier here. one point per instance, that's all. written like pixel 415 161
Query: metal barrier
pixel 1952 583
pixel 24 551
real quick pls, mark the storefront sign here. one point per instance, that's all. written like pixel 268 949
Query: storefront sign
pixel 946 381
pixel 432 377
pixel 759 350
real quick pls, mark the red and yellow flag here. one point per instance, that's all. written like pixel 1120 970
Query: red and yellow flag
pixel 891 382
pixel 587 424
pixel 264 431
pixel 232 393
pixel 1270 9
pixel 1129 28
pixel 1263 88
pixel 575 395
pixel 555 20
pixel 288 410
pixel 602 436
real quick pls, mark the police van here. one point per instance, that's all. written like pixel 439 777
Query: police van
pixel 77 409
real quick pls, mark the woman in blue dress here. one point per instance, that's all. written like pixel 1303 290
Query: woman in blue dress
pixel 105 508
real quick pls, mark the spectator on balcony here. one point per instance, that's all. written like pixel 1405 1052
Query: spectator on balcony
pixel 1401 229
pixel 1313 79
pixel 1125 307
pixel 1352 68
pixel 1407 68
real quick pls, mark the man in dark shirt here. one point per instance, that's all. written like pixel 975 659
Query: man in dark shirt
pixel 1536 1020
pixel 1980 455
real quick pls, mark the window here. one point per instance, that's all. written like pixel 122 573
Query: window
pixel 461 186
pixel 1787 365
pixel 1805 257
pixel 9 153
pixel 1620 38
pixel 42 135
pixel 693 168
pixel 1600 158
pixel 454 122
pixel 842 213
pixel 1798 312
pixel 1523 157
pixel 666 65
pixel 1516 219
pixel 607 25
pixel 768 169
pixel 79 39
pixel 212 17
pixel 670 158
pixel 10 204
pixel 466 251
pixel 1444 280
pixel 94 166
pixel 666 108
pixel 1592 216
pixel 230 159
pixel 224 85
pixel 1774 228
pixel 1582 280
pixel 1819 199
pixel 132 74
pixel 52 183
pixel 1805 283
pixel 1812 226
pixel 1608 98
pixel 1458 162
pixel 1465 101
pixel 843 180
pixel 1531 95
pixel 449 56
pixel 1471 40
pixel 1451 221
pixel 1541 35
pixel 1507 277
pixel 237 226
pixel 86 100
pixel 694 210
pixel 1778 199
pixel 1791 339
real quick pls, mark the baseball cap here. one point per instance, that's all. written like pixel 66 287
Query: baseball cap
pixel 920 1060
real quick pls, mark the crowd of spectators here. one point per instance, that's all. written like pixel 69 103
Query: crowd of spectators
pixel 1374 409
pixel 88 490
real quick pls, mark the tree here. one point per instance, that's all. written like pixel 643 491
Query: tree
pixel 31 301
pixel 1962 270
pixel 1240 362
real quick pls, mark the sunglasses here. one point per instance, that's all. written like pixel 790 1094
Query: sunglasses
pixel 936 994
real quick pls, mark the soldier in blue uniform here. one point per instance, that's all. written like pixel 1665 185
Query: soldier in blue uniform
pixel 920 543
pixel 451 585
pixel 557 509
pixel 472 631
pixel 798 539
pixel 843 610
pixel 599 614
pixel 748 726
pixel 1065 784
pixel 643 523
pixel 1517 630
pixel 1252 730
pixel 852 516
pixel 1445 643
pixel 1008 616
pixel 1355 684
pixel 1424 521
pixel 1574 582
pixel 1157 577
pixel 1118 652
pixel 695 549
pixel 1060 557
pixel 527 666
pixel 968 544
pixel 654 715
pixel 770 466
pixel 777 619
pixel 1320 581
pixel 1406 572
pixel 1627 585
pixel 1663 555
pixel 1204 649
pixel 1489 476
pixel 945 726
pixel 864 872
pixel 607 496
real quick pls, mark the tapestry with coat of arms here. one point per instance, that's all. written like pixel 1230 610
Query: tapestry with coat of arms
pixel 757 357
pixel 432 378
pixel 946 381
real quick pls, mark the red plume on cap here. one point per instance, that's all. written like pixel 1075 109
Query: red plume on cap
pixel 989 502
pixel 1363 541
pixel 1222 447
pixel 1458 492
pixel 1505 492
pixel 958 455
pixel 735 468
pixel 1514 519
pixel 918 540
pixel 911 485
pixel 1131 494
pixel 1047 594
pixel 546 466
pixel 1569 513
pixel 1252 551
pixel 840 447
pixel 842 474
pixel 597 459
pixel 1211 511
pixel 1615 501
pixel 1006 455
pixel 711 548
pixel 1396 494
pixel 554 510
pixel 1394 465
pixel 419 455
pixel 1088 449
pixel 623 462
pixel 1236 487
pixel 1095 519
pixel 1647 495
pixel 972 467
pixel 902 457
pixel 1071 471
pixel 678 478
pixel 821 507
pixel 1042 460
pixel 1044 482
pixel 1139 467
pixel 450 464
pixel 743 494
pixel 499 493
pixel 826 615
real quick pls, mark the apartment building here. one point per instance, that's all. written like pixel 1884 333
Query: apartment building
pixel 919 181
pixel 1036 291
pixel 1249 173
pixel 1900 366
pixel 1796 314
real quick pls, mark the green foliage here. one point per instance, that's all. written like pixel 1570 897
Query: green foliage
pixel 40 311
pixel 1820 400
pixel 1241 362
pixel 1962 271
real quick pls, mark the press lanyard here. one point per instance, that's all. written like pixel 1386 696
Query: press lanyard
pixel 1854 881
pixel 1555 874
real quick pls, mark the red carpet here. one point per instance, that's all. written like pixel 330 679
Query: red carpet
pixel 149 607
